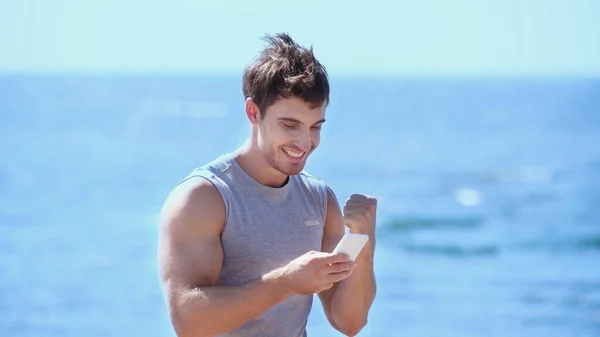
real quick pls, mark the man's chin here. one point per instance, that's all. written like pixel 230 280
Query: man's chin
pixel 291 170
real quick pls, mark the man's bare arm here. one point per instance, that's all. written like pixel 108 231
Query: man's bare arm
pixel 347 304
pixel 190 260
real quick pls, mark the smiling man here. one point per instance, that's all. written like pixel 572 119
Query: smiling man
pixel 247 239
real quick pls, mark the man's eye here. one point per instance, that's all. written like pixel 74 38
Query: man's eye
pixel 316 128
pixel 287 126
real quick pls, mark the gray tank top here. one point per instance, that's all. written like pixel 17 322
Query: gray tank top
pixel 265 228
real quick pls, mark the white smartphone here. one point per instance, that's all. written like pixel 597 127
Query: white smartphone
pixel 351 244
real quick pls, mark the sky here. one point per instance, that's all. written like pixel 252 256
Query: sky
pixel 420 37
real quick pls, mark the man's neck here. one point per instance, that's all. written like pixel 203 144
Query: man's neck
pixel 253 162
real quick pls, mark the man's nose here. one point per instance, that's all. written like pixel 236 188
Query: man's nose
pixel 303 142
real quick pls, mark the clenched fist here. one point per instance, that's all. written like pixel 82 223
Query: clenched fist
pixel 360 214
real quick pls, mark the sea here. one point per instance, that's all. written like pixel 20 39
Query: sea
pixel 488 220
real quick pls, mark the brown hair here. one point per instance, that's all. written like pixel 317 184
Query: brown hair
pixel 285 69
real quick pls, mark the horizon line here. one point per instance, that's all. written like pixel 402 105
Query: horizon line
pixel 98 73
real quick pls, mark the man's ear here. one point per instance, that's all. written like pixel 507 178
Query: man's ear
pixel 252 111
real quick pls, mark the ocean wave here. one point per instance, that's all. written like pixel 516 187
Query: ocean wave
pixel 404 233
pixel 491 250
pixel 415 223
pixel 452 250
pixel 566 244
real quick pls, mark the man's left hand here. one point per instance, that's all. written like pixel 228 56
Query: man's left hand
pixel 360 214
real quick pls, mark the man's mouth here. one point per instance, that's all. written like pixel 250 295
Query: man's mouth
pixel 292 153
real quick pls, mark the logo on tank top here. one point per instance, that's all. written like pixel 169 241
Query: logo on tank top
pixel 309 223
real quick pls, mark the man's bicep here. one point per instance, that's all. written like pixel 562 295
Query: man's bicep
pixel 191 262
pixel 190 250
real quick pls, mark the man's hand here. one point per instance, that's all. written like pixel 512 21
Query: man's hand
pixel 314 271
pixel 360 213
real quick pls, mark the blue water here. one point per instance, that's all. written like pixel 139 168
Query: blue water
pixel 489 192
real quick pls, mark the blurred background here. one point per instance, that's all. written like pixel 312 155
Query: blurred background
pixel 475 123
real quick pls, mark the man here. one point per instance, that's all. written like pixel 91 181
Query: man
pixel 246 239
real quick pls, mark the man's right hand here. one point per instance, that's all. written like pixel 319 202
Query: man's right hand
pixel 315 272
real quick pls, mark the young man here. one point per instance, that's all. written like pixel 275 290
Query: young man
pixel 246 239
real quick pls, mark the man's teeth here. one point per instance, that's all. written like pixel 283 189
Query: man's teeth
pixel 293 153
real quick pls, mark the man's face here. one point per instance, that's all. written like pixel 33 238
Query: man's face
pixel 289 132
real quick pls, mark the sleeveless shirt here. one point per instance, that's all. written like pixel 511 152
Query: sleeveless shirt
pixel 266 228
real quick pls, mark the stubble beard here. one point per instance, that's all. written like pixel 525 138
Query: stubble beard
pixel 271 152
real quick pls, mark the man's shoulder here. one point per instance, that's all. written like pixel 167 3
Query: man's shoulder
pixel 194 191
pixel 313 180
pixel 305 175
pixel 317 185
pixel 194 201
pixel 215 165
pixel 200 188
pixel 212 171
